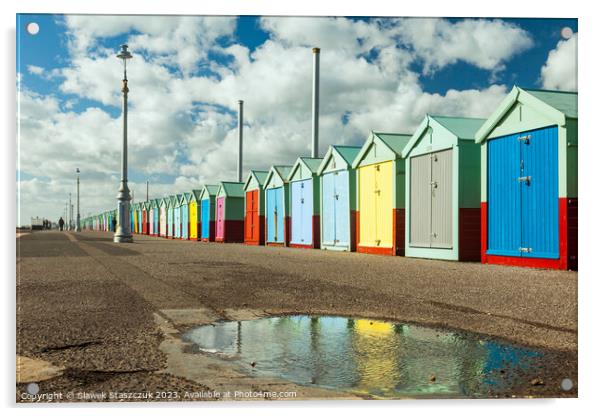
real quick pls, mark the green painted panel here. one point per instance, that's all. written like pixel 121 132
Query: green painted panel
pixel 572 159
pixel 235 208
pixel 469 175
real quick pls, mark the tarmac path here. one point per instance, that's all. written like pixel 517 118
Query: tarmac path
pixel 90 306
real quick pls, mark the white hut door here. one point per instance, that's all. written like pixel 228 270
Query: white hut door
pixel 441 205
pixel 420 201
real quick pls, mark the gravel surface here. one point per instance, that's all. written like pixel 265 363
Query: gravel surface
pixel 87 304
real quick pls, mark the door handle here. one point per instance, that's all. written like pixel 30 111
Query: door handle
pixel 525 139
pixel 526 179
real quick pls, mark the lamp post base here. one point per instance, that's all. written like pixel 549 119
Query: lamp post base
pixel 122 239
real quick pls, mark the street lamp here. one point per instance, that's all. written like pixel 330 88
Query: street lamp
pixel 77 221
pixel 123 233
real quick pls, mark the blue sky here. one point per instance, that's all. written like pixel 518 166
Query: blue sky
pixel 187 74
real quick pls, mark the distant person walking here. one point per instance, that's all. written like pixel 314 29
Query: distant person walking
pixel 61 223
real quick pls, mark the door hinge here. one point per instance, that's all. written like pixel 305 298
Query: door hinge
pixel 525 249
pixel 526 179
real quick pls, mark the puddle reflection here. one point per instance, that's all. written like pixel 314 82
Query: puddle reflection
pixel 374 357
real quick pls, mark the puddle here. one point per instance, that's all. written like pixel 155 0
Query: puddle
pixel 379 358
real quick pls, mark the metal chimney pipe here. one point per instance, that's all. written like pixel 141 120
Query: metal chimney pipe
pixel 240 108
pixel 315 103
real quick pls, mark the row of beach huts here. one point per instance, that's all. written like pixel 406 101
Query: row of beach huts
pixel 501 190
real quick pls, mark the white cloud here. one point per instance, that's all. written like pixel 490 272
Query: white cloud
pixel 177 123
pixel 560 69
pixel 486 44
pixel 36 70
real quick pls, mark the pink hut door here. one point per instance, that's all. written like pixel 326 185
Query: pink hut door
pixel 219 228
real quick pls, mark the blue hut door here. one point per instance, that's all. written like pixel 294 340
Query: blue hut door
pixel 539 193
pixel 522 203
pixel 328 209
pixel 275 215
pixel 270 215
pixel 302 211
pixel 341 208
pixel 205 218
pixel 297 212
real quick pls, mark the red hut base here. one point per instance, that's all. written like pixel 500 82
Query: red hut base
pixel 567 221
pixel 469 244
pixel 234 232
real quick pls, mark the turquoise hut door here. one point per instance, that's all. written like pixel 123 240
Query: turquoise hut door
pixel 275 215
pixel 205 218
pixel 184 216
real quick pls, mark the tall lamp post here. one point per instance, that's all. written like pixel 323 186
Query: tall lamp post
pixel 123 233
pixel 77 220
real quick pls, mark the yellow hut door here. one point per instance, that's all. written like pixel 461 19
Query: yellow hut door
pixel 367 206
pixel 193 221
pixel 383 204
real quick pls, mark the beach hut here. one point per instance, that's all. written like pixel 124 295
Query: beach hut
pixel 184 215
pixel 208 193
pixel 150 217
pixel 255 208
pixel 338 209
pixel 229 212
pixel 171 214
pixel 157 216
pixel 304 185
pixel 529 180
pixel 163 205
pixel 144 211
pixel 112 217
pixel 381 194
pixel 177 217
pixel 134 214
pixel 442 205
pixel 194 215
pixel 277 219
